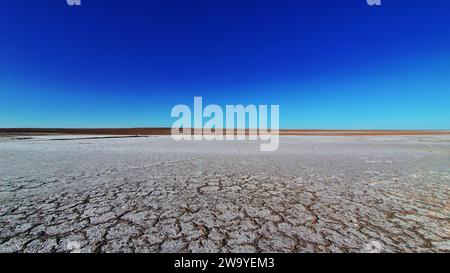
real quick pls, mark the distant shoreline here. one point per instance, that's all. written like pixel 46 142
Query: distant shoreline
pixel 167 131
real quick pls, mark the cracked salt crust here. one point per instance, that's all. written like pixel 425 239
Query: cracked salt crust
pixel 319 194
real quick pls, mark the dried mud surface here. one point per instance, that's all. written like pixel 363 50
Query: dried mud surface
pixel 152 194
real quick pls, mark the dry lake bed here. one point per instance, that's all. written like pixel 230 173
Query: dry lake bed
pixel 152 194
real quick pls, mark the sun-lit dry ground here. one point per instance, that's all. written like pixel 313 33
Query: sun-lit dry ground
pixel 152 194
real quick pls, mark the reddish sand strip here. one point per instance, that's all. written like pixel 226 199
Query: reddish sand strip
pixel 167 131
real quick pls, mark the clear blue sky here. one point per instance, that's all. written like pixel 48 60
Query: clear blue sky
pixel 125 63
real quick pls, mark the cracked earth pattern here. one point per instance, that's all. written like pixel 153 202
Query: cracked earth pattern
pixel 315 194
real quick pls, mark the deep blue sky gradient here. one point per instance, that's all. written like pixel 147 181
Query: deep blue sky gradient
pixel 124 63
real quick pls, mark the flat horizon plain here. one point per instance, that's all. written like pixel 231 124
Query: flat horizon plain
pixel 148 131
pixel 316 193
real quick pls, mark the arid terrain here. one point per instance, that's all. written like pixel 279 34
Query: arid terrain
pixel 386 192
pixel 5 132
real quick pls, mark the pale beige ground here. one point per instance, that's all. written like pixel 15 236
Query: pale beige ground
pixel 315 194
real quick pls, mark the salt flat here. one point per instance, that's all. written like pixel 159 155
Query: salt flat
pixel 152 194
